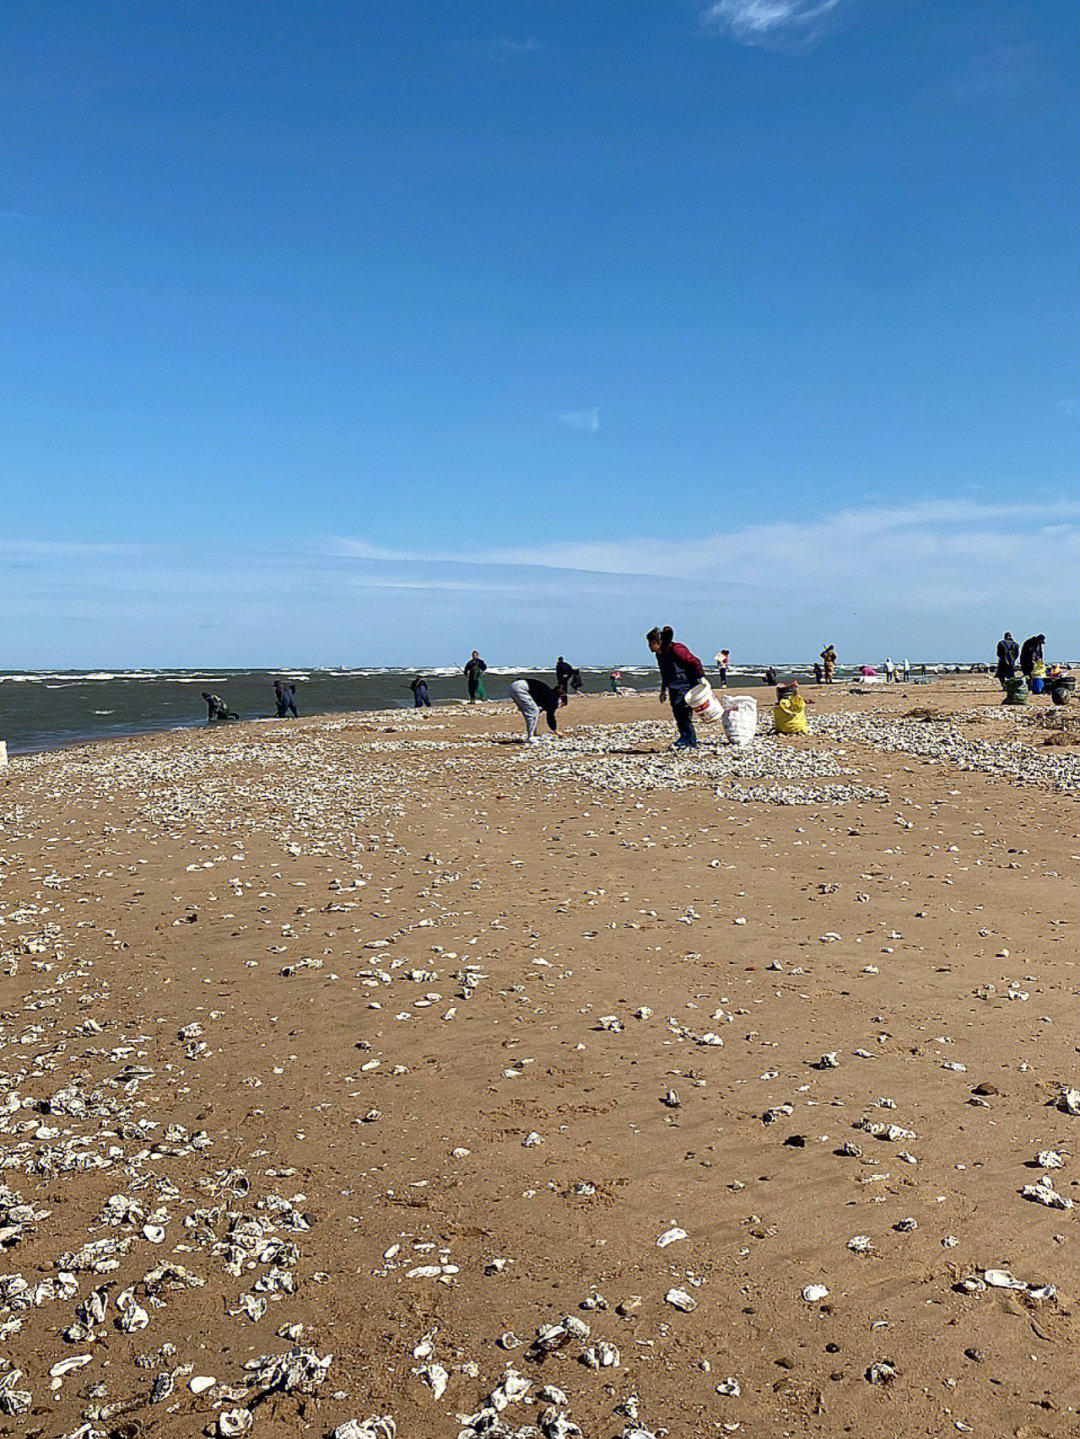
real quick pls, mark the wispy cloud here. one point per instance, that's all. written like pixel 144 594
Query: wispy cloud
pixel 500 51
pixel 1001 70
pixel 938 578
pixel 1070 407
pixel 587 420
pixel 755 21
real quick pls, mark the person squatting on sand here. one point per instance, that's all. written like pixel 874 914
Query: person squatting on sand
pixel 218 709
pixel 421 698
pixel 285 699
pixel 789 712
pixel 474 675
pixel 680 671
pixel 532 697
pixel 1007 653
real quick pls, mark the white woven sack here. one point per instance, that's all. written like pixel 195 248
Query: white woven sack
pixel 740 720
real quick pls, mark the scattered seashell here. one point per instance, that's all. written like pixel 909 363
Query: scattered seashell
pixel 1050 1159
pixel 1002 1279
pixel 670 1236
pixel 679 1299
pixel 814 1292
pixel 201 1383
pixel 602 1356
pixel 65 1366
pixel 435 1376
pixel 234 1421
pixel 1043 1192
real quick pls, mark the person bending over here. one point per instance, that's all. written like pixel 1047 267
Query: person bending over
pixel 421 698
pixel 533 697
pixel 680 671
pixel 218 709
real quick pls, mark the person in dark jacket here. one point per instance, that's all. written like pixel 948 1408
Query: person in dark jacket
pixel 219 711
pixel 421 698
pixel 474 675
pixel 285 699
pixel 564 672
pixel 534 697
pixel 680 671
pixel 1031 652
pixel 1007 653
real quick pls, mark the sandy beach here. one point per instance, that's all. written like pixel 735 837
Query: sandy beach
pixel 382 1068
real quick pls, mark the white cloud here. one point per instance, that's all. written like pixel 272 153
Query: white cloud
pixel 752 21
pixel 587 420
pixel 937 578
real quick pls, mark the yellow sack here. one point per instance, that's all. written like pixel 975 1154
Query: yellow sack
pixel 1038 670
pixel 789 716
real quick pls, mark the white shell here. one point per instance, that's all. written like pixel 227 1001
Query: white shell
pixel 235 1421
pixel 65 1366
pixel 1050 1159
pixel 201 1383
pixel 436 1376
pixel 670 1236
pixel 813 1292
pixel 679 1299
pixel 1002 1279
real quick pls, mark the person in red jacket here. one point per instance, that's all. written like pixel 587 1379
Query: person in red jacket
pixel 679 673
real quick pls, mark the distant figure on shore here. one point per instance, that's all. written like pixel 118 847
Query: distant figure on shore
pixel 769 677
pixel 1031 653
pixel 818 672
pixel 680 671
pixel 828 659
pixel 1008 652
pixel 285 699
pixel 533 697
pixel 564 671
pixel 474 675
pixel 890 670
pixel 421 698
pixel 907 671
pixel 723 660
pixel 615 680
pixel 218 709
pixel 575 681
pixel 789 712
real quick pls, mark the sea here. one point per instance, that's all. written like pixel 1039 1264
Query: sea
pixel 50 709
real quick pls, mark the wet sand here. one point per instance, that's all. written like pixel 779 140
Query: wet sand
pixel 391 1039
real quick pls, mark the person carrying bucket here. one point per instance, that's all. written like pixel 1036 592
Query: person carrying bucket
pixel 680 671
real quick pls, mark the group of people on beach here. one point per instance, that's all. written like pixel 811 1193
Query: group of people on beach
pixel 1035 675
pixel 680 672
pixel 218 712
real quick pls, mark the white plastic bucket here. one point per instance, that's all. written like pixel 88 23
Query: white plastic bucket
pixel 704 703
pixel 740 719
pixel 3 753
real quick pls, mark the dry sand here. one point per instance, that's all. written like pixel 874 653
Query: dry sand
pixel 390 1039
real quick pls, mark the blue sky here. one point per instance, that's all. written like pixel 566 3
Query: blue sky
pixel 348 333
